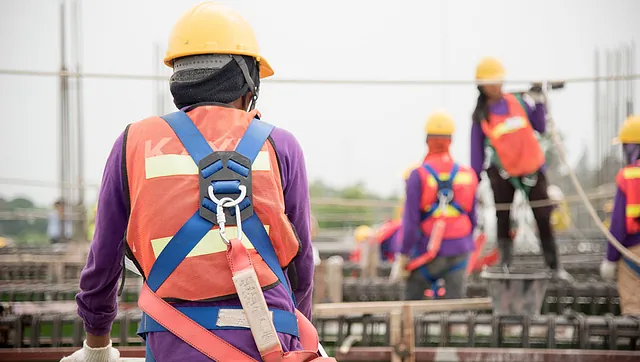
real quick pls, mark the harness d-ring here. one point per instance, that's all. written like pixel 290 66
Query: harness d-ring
pixel 228 202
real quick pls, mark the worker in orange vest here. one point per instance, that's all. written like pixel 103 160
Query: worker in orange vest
pixel 625 221
pixel 361 234
pixel 506 125
pixel 439 218
pixel 213 206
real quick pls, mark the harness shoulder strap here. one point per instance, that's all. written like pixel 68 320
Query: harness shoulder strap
pixel 249 146
pixel 196 227
pixel 432 172
pixel 189 135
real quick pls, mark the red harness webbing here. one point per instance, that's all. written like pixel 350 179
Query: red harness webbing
pixel 215 347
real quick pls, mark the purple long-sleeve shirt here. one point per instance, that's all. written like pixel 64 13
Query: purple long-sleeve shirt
pixel 412 237
pixel 618 227
pixel 97 302
pixel 536 114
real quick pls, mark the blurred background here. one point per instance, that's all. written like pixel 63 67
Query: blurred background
pixel 354 82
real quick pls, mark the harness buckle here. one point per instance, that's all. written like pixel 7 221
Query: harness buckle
pixel 530 181
pixel 445 196
pixel 227 202
pixel 225 176
pixel 504 174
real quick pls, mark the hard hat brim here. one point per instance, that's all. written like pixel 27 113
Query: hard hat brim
pixel 265 67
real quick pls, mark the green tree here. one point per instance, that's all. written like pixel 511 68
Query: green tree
pixel 30 230
pixel 338 213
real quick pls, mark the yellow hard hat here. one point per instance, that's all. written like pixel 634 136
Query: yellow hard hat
pixel 608 206
pixel 629 132
pixel 490 69
pixel 211 28
pixel 440 124
pixel 362 233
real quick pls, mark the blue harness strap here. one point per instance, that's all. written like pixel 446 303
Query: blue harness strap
pixel 207 317
pixel 445 187
pixel 197 227
pixel 632 266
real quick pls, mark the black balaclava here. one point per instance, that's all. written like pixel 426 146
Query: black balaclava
pixel 204 82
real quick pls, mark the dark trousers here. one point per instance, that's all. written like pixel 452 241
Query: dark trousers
pixel 455 282
pixel 503 193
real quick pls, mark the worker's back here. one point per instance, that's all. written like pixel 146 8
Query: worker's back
pixel 164 192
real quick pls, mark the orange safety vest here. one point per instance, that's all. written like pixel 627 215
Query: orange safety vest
pixel 387 230
pixel 183 185
pixel 463 185
pixel 513 139
pixel 628 180
pixel 163 189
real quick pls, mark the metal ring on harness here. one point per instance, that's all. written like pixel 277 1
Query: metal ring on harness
pixel 228 203
pixel 445 196
pixel 243 194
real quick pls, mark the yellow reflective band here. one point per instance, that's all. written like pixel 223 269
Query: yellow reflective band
pixel 450 211
pixel 511 125
pixel 633 210
pixel 462 178
pixel 631 173
pixel 174 165
pixel 211 243
pixel 169 165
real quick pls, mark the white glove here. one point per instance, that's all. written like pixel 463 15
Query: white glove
pixel 608 270
pixel 398 271
pixel 88 354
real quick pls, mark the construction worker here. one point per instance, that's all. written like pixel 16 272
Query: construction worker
pixel 560 216
pixel 625 221
pixel 360 235
pixel 439 218
pixel 505 124
pixel 213 206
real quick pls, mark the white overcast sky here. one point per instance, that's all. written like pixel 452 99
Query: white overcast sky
pixel 349 132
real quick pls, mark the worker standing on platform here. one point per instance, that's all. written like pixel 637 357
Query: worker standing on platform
pixel 504 124
pixel 213 206
pixel 361 235
pixel 625 221
pixel 439 218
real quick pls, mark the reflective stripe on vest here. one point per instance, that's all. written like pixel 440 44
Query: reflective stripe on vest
pixel 628 181
pixel 513 139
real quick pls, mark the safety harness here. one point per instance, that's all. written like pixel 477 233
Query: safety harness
pixel 634 267
pixel 524 183
pixel 225 192
pixel 445 197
